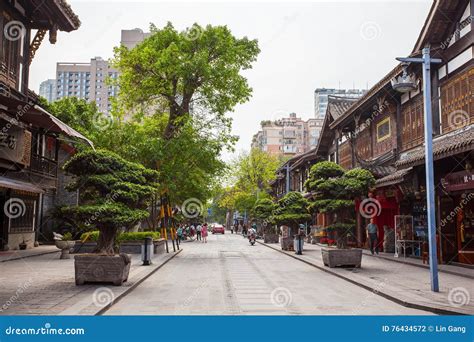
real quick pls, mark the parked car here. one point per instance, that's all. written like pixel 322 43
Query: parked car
pixel 218 229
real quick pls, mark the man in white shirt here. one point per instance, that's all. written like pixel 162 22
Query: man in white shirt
pixel 198 232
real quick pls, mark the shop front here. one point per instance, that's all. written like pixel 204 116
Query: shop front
pixel 456 220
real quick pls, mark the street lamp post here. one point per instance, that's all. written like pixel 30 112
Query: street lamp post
pixel 403 86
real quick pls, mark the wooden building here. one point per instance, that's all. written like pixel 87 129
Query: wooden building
pixel 384 132
pixel 32 141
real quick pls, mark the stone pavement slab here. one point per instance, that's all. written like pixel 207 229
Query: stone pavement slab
pixel 44 285
pixel 228 276
pixel 403 283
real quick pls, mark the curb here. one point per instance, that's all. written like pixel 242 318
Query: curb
pixel 30 256
pixel 131 288
pixel 371 289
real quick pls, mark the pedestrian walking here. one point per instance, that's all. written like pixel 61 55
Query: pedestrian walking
pixel 198 232
pixel 372 235
pixel 180 233
pixel 204 233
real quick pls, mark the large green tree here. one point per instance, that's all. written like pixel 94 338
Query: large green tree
pixel 251 174
pixel 187 71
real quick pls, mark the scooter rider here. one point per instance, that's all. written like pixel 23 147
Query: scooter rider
pixel 252 231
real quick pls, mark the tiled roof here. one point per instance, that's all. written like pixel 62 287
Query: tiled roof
pixel 449 144
pixel 69 12
pixel 338 105
pixel 394 178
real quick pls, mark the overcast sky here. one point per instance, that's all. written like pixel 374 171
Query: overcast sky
pixel 304 45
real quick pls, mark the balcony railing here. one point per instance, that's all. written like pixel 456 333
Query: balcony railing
pixel 43 166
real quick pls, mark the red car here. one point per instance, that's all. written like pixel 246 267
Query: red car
pixel 218 229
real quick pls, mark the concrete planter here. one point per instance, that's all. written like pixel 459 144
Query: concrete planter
pixel 135 247
pixel 101 268
pixel 270 238
pixel 286 243
pixel 84 247
pixel 333 257
pixel 65 247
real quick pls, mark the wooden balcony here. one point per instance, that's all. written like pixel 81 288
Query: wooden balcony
pixel 43 166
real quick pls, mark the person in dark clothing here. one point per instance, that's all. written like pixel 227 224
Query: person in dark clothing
pixel 372 235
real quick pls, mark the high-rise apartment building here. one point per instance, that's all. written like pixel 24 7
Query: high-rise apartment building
pixel 130 38
pixel 87 81
pixel 287 136
pixel 321 98
pixel 48 90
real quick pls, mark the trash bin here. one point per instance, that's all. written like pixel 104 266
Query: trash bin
pixel 147 251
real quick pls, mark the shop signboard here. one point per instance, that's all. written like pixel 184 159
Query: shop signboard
pixel 457 181
pixel 15 144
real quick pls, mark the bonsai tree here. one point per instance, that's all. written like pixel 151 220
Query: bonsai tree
pixel 334 191
pixel 114 194
pixel 263 211
pixel 292 210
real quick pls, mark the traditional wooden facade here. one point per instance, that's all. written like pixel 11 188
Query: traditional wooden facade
pixel 31 147
pixel 384 132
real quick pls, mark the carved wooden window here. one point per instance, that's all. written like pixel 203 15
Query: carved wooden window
pixel 345 155
pixel 364 144
pixel 10 51
pixel 383 130
pixel 412 123
pixel 457 102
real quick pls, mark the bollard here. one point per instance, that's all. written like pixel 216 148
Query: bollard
pixel 147 251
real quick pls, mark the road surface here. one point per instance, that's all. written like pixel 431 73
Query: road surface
pixel 227 276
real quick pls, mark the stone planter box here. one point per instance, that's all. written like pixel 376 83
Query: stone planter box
pixel 286 243
pixel 101 268
pixel 334 257
pixel 270 238
pixel 135 247
pixel 84 247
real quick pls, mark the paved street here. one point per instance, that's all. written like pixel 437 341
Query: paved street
pixel 228 276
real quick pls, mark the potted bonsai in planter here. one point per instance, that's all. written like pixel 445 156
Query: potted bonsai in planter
pixel 263 212
pixel 291 211
pixel 114 195
pixel 333 192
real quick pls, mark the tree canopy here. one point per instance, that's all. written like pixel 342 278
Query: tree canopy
pixel 115 193
pixel 185 71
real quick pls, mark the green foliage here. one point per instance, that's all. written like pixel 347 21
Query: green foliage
pixel 263 209
pixel 251 174
pixel 92 236
pixel 189 163
pixel 67 236
pixel 137 236
pixel 334 192
pixel 292 209
pixel 114 193
pixel 81 115
pixel 125 236
pixel 199 67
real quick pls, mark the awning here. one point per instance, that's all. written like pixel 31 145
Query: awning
pixel 19 185
pixel 57 124
pixel 396 177
pixel 37 116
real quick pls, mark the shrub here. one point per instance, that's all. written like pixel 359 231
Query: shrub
pixel 137 236
pixel 93 236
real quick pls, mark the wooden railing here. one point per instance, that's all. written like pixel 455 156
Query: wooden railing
pixel 43 166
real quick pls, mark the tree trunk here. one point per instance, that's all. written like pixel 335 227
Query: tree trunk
pixel 106 242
